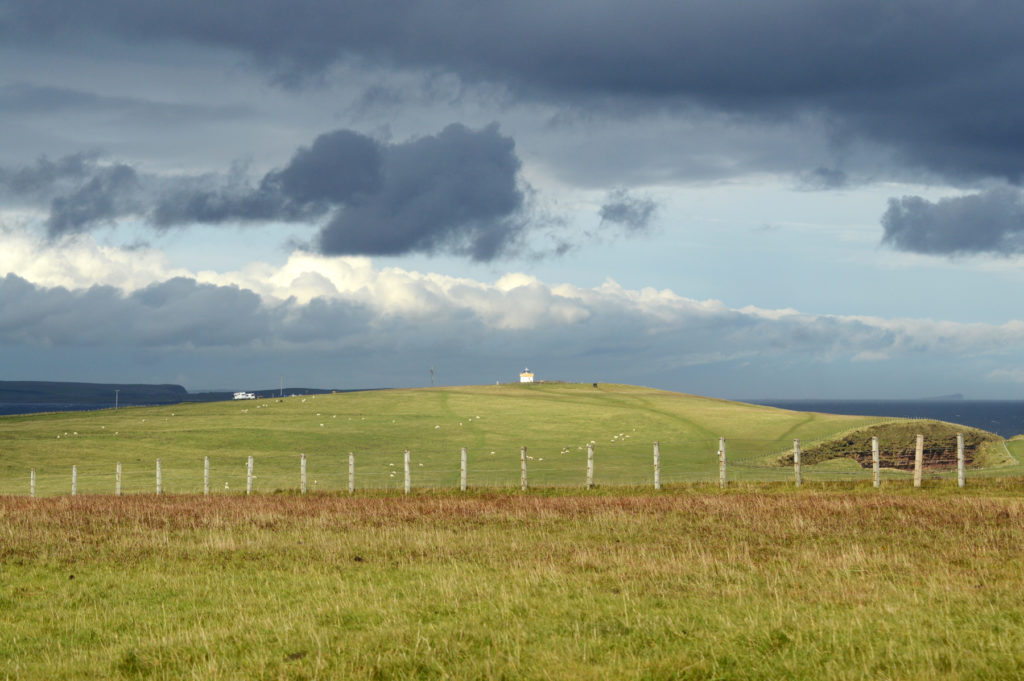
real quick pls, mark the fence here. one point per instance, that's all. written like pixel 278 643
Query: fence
pixel 622 464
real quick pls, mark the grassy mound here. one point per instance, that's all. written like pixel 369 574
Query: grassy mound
pixel 897 444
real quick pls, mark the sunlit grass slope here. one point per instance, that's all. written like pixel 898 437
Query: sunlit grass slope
pixel 555 421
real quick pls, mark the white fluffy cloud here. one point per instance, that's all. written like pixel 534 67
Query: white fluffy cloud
pixel 69 295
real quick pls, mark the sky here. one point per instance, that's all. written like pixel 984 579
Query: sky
pixel 746 199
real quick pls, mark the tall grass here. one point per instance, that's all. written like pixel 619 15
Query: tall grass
pixel 832 581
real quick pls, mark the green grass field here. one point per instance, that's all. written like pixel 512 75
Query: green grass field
pixel 763 581
pixel 554 421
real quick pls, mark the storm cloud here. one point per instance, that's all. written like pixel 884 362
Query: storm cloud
pixel 631 212
pixel 940 84
pixel 457 192
pixel 454 192
pixel 44 178
pixel 105 197
pixel 988 222
pixel 80 191
pixel 179 313
pixel 215 136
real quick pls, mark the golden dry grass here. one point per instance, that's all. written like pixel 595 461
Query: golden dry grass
pixel 755 582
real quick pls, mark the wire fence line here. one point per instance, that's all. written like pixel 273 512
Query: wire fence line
pixel 608 464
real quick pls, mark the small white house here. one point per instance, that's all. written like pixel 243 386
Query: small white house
pixel 242 395
pixel 526 376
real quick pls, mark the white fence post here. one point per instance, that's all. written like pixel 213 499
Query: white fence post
pixel 961 473
pixel 351 473
pixel 721 462
pixel 918 460
pixel 117 480
pixel 32 483
pixel 590 466
pixel 876 475
pixel 302 474
pixel 74 480
pixel 206 475
pixel 408 473
pixel 248 476
pixel 796 462
pixel 522 469
pixel 462 470
pixel 159 478
pixel 657 465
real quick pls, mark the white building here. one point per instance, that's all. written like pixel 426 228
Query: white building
pixel 526 376
pixel 245 396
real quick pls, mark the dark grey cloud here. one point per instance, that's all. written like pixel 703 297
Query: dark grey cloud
pixel 176 313
pixel 43 177
pixel 29 99
pixel 179 313
pixel 988 222
pixel 824 178
pixel 940 84
pixel 80 190
pixel 631 212
pixel 189 201
pixel 339 167
pixel 105 197
pixel 455 192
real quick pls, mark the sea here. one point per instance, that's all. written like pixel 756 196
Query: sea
pixel 1002 417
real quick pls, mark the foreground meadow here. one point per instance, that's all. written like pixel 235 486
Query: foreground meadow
pixel 761 581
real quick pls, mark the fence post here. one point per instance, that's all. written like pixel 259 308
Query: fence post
pixel 206 475
pixel 796 462
pixel 657 465
pixel 918 460
pixel 961 474
pixel 32 483
pixel 74 480
pixel 159 478
pixel 522 469
pixel 248 476
pixel 590 466
pixel 408 473
pixel 302 474
pixel 351 473
pixel 721 462
pixel 462 470
pixel 876 478
pixel 117 480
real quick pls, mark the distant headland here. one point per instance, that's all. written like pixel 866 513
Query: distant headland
pixel 103 394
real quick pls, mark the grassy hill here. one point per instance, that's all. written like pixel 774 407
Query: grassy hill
pixel 554 420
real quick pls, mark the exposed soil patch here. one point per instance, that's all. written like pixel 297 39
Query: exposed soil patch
pixel 897 444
